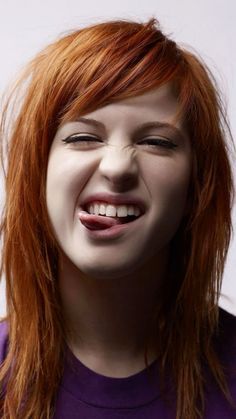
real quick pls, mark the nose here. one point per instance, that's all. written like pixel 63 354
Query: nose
pixel 119 166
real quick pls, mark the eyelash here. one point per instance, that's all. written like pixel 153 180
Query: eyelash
pixel 86 138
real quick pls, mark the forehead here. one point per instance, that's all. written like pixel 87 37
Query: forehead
pixel 153 109
pixel 159 103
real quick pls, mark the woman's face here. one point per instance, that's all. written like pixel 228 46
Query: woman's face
pixel 131 152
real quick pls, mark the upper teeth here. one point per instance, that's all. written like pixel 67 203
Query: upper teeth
pixel 113 210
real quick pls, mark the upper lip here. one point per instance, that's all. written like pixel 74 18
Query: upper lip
pixel 115 200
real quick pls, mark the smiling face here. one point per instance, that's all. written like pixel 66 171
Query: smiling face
pixel 133 148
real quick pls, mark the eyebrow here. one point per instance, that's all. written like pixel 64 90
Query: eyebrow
pixel 140 128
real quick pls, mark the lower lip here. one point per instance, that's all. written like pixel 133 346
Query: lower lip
pixel 112 232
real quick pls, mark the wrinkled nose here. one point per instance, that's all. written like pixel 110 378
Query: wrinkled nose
pixel 119 166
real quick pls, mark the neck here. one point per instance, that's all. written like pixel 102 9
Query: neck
pixel 110 321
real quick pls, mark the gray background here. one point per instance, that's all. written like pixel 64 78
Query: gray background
pixel 208 26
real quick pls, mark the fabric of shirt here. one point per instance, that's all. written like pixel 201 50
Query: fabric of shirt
pixel 85 394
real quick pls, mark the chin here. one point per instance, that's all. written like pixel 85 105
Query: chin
pixel 106 271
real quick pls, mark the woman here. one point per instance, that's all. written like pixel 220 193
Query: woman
pixel 116 228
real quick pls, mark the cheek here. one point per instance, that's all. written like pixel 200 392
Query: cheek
pixel 171 176
pixel 168 184
pixel 168 189
pixel 66 177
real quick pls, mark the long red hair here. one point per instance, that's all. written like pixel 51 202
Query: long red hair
pixel 78 73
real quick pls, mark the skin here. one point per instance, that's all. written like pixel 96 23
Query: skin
pixel 110 288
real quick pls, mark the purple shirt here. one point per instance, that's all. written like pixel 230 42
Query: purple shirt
pixel 86 394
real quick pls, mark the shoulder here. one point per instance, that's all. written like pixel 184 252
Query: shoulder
pixel 227 327
pixel 225 316
pixel 3 339
pixel 225 339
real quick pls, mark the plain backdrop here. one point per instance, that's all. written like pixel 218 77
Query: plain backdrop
pixel 207 26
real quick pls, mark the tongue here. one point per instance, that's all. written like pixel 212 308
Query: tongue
pixel 98 222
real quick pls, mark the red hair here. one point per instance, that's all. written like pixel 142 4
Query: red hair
pixel 75 75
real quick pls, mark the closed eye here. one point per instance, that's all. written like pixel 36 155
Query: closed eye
pixel 75 138
pixel 157 142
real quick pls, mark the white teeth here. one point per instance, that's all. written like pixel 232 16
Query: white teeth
pixel 131 210
pixel 113 210
pixel 122 211
pixel 96 209
pixel 91 209
pixel 136 211
pixel 102 209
